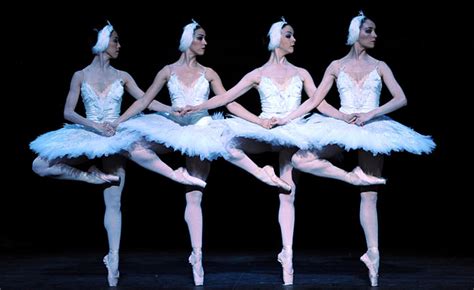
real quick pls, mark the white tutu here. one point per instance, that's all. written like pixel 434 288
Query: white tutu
pixel 289 135
pixel 75 140
pixel 379 136
pixel 206 138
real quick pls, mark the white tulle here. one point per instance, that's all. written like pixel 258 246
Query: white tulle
pixel 276 101
pixel 205 139
pixel 381 135
pixel 196 134
pixel 76 140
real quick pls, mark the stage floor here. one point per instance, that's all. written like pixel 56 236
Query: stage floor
pixel 144 269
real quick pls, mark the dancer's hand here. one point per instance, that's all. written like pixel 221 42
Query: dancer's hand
pixel 280 121
pixel 104 129
pixel 363 118
pixel 266 123
pixel 188 110
pixel 349 118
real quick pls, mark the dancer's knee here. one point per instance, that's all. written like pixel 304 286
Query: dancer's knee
pixel 369 196
pixel 194 198
pixel 287 199
pixel 234 153
pixel 301 158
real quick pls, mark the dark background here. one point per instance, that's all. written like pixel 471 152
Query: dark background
pixel 425 206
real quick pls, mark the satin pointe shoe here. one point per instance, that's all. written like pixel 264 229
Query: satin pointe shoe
pixel 372 265
pixel 361 178
pixel 269 177
pixel 286 261
pixel 181 175
pixel 198 272
pixel 99 177
pixel 111 263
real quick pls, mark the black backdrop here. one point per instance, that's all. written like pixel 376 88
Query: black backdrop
pixel 425 205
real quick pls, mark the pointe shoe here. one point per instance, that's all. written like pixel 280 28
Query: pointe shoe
pixel 111 263
pixel 99 177
pixel 359 177
pixel 269 177
pixel 181 175
pixel 198 271
pixel 286 262
pixel 372 265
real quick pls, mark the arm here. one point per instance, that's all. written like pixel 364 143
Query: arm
pixel 238 110
pixel 135 91
pixel 317 96
pixel 329 110
pixel 71 103
pixel 398 97
pixel 234 107
pixel 142 103
pixel 243 86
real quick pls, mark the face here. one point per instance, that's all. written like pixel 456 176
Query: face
pixel 367 34
pixel 198 46
pixel 114 45
pixel 287 41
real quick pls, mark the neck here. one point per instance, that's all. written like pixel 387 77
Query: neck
pixel 277 57
pixel 358 52
pixel 101 62
pixel 188 59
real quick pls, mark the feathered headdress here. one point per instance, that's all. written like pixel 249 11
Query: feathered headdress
pixel 275 34
pixel 187 36
pixel 354 28
pixel 103 38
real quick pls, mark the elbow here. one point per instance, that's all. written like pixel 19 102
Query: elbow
pixel 403 102
pixel 67 115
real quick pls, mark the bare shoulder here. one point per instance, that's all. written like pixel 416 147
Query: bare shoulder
pixel 125 76
pixel 383 68
pixel 336 64
pixel 303 73
pixel 334 67
pixel 165 72
pixel 210 73
pixel 77 77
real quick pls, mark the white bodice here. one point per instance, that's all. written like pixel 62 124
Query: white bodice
pixel 182 95
pixel 102 106
pixel 279 101
pixel 359 97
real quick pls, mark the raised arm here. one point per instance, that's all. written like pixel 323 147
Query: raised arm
pixel 142 103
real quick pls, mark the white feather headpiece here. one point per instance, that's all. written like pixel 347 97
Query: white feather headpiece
pixel 103 38
pixel 187 36
pixel 275 34
pixel 354 28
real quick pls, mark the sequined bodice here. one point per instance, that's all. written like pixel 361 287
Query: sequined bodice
pixel 362 96
pixel 102 106
pixel 279 101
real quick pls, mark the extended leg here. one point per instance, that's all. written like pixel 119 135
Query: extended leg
pixel 309 161
pixel 148 158
pixel 266 174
